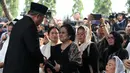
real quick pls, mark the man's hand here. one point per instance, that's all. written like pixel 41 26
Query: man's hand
pixel 1 64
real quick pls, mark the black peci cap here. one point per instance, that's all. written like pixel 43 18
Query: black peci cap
pixel 39 8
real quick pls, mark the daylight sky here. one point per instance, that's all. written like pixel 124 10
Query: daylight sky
pixel 64 7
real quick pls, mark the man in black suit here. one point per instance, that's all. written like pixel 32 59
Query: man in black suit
pixel 23 53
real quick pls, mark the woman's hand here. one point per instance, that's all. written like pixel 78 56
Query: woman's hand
pixel 57 67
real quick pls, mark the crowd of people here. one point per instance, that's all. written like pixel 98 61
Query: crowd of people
pixel 36 44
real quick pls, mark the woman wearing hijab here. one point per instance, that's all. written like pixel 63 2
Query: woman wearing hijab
pixel 115 41
pixel 115 65
pixel 88 50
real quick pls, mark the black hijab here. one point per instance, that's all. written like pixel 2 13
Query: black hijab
pixel 118 43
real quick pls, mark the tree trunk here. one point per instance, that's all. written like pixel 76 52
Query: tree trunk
pixel 6 11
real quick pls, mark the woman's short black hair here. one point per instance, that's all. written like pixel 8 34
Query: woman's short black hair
pixel 49 30
pixel 70 29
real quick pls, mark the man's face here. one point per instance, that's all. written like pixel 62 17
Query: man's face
pixel 120 17
pixel 100 31
pixel 38 19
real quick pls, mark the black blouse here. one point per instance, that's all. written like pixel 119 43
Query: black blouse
pixel 90 59
pixel 62 58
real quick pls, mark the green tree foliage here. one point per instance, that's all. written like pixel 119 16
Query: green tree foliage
pixel 27 5
pixel 128 5
pixel 77 7
pixel 1 11
pixel 13 7
pixel 40 1
pixel 102 7
pixel 51 4
pixel 5 5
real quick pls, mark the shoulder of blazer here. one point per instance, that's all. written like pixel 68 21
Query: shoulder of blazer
pixel 27 20
pixel 23 24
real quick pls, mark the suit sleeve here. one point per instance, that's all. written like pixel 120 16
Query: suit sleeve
pixel 32 43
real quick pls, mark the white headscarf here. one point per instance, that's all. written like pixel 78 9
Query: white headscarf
pixel 87 41
pixel 120 68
